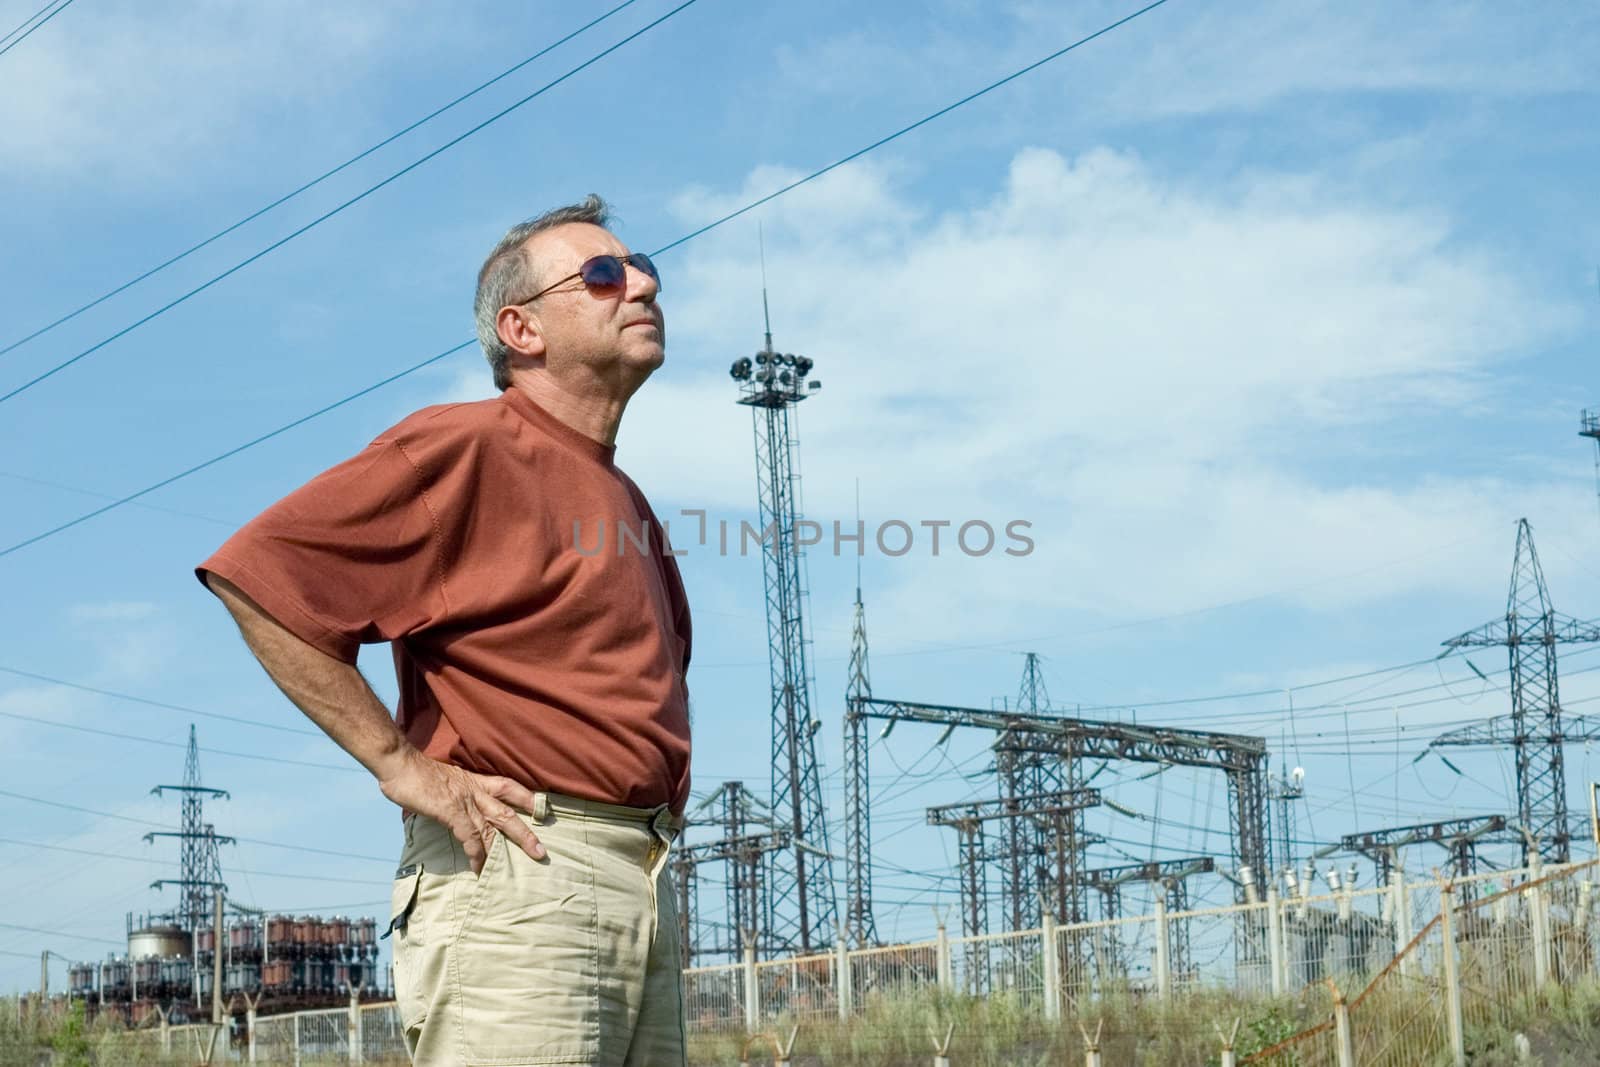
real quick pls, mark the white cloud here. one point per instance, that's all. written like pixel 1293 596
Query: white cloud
pixel 113 611
pixel 131 92
pixel 1227 58
pixel 1195 60
pixel 1148 371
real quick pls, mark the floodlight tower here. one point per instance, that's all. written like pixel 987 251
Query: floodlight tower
pixel 200 871
pixel 1589 426
pixel 799 912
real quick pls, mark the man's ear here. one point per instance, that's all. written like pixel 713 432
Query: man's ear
pixel 521 331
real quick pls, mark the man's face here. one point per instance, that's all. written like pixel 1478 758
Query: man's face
pixel 604 333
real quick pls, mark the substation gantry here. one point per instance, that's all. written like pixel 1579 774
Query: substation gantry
pixel 1459 838
pixel 747 840
pixel 1241 758
pixel 1171 876
pixel 1056 811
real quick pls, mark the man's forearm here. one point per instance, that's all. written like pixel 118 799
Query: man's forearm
pixel 333 694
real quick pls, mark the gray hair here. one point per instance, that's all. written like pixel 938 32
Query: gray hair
pixel 508 275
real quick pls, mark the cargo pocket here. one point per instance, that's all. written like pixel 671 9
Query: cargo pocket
pixel 408 940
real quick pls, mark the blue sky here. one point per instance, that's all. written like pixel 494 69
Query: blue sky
pixel 1272 319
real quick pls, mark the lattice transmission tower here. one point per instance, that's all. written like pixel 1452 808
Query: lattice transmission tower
pixel 1534 731
pixel 859 922
pixel 1029 864
pixel 799 911
pixel 200 869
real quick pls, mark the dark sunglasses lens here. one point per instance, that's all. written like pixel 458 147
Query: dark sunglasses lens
pixel 603 272
pixel 642 261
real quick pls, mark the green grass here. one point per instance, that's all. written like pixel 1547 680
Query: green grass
pixel 998 1031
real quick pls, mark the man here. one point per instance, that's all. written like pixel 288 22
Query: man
pixel 541 752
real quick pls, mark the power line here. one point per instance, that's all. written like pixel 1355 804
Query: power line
pixel 434 359
pixel 58 933
pixel 157 703
pixel 80 491
pixel 214 279
pixel 27 22
pixel 165 863
pixel 36 25
pixel 319 179
pixel 175 744
pixel 198 467
pixel 858 153
pixel 166 826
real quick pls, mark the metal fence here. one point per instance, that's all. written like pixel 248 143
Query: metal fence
pixel 1397 973
pixel 1494 943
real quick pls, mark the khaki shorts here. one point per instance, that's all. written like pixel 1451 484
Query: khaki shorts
pixel 573 959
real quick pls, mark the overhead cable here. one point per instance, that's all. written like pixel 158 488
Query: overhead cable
pixel 47 679
pixel 175 744
pixel 280 242
pixel 36 25
pixel 902 131
pixel 434 359
pixel 318 180
pixel 165 826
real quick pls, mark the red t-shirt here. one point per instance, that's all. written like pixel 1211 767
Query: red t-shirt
pixel 527 643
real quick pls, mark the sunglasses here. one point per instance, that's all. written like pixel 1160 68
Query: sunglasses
pixel 602 274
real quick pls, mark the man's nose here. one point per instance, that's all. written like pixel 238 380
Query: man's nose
pixel 641 286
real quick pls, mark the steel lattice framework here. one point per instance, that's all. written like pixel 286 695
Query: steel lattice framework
pixel 799 912
pixel 860 925
pixel 200 868
pixel 1055 813
pixel 1171 875
pixel 1240 757
pixel 1460 837
pixel 1025 874
pixel 1530 632
pixel 742 849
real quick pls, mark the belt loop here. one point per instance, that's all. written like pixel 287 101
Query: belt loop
pixel 661 824
pixel 541 807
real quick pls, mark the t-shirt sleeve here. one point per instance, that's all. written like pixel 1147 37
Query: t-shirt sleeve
pixel 352 557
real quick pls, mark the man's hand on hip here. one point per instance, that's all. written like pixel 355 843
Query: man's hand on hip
pixel 472 806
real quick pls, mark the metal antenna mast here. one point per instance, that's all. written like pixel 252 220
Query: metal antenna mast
pixel 863 929
pixel 201 868
pixel 1530 631
pixel 800 912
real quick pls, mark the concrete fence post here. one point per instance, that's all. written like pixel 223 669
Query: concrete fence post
pixel 1452 979
pixel 843 979
pixel 1091 1045
pixel 1400 904
pixel 1052 968
pixel 1539 924
pixel 296 1035
pixel 1343 1040
pixel 752 989
pixel 250 1004
pixel 1275 940
pixel 354 1027
pixel 947 979
pixel 1227 1058
pixel 1163 948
